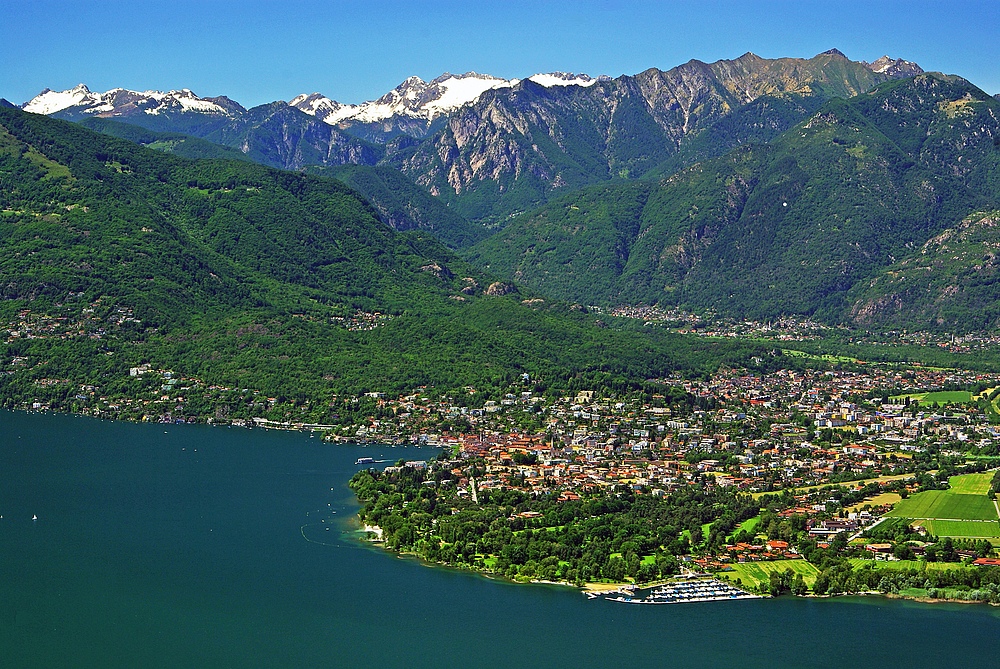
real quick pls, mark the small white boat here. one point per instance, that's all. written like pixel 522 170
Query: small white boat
pixel 34 517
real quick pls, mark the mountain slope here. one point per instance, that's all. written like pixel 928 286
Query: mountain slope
pixel 951 283
pixel 402 205
pixel 133 218
pixel 513 148
pixel 281 136
pixel 273 134
pixel 785 228
pixel 491 148
pixel 174 143
pixel 249 277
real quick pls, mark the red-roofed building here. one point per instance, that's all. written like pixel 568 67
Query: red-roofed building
pixel 986 562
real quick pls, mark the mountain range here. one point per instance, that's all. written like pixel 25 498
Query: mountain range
pixel 412 107
pixel 489 146
pixel 749 187
pixel 791 226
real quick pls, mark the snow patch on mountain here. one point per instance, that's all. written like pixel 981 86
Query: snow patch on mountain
pixel 894 67
pixel 456 91
pixel 322 107
pixel 563 79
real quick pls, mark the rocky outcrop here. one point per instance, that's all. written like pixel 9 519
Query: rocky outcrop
pixel 498 288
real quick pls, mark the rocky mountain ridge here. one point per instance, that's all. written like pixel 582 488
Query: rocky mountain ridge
pixel 412 107
pixel 830 219
pixel 513 147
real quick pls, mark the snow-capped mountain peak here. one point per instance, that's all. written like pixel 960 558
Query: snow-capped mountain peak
pixel 417 99
pixel 894 67
pixel 81 101
pixel 50 101
pixel 322 107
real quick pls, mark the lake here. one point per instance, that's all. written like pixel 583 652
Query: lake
pixel 199 546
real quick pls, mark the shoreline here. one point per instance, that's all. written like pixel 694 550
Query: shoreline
pixel 594 589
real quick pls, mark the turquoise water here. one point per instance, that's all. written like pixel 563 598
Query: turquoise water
pixel 186 546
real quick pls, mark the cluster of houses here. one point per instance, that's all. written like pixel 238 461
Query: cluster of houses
pixel 94 321
pixel 789 428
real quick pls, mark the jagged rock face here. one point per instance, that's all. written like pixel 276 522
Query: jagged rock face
pixel 895 68
pixel 416 107
pixel 534 139
pixel 279 135
pixel 505 135
pixel 498 288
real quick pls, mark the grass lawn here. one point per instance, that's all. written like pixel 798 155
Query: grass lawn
pixel 748 525
pixel 962 528
pixel 919 565
pixel 945 504
pixel 826 357
pixel 941 397
pixel 971 484
pixel 759 573
pixel 704 532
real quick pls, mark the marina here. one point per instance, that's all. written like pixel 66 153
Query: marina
pixel 679 592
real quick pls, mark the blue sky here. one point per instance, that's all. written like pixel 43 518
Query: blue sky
pixel 260 51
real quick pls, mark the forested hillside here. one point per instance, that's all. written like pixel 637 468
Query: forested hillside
pixel 115 256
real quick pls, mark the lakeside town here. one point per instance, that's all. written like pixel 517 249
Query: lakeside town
pixel 753 432
pixel 826 454
pixel 828 450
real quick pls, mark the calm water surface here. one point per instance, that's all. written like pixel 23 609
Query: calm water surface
pixel 193 546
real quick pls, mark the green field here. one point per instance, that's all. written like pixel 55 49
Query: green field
pixel 964 510
pixel 971 484
pixel 945 504
pixel 919 565
pixel 963 528
pixel 748 525
pixel 941 397
pixel 825 357
pixel 759 573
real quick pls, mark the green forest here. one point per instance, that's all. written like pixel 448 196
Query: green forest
pixel 243 276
